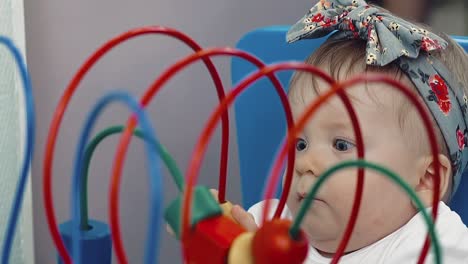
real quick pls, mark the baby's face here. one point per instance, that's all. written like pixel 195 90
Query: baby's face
pixel 329 139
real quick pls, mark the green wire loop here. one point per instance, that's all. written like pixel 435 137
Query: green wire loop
pixel 294 231
pixel 164 154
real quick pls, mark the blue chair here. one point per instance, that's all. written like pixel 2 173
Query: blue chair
pixel 260 120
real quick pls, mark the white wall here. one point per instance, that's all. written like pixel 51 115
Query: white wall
pixel 456 23
pixel 12 131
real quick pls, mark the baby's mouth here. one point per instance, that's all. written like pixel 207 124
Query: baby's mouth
pixel 301 196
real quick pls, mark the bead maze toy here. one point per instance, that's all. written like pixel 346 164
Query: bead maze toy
pixel 207 232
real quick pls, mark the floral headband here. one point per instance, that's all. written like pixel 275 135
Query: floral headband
pixel 391 39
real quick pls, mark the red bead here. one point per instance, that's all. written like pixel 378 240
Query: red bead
pixel 210 240
pixel 272 244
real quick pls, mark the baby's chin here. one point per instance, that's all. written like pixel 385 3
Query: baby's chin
pixel 326 243
pixel 323 236
pixel 324 232
pixel 318 224
pixel 326 237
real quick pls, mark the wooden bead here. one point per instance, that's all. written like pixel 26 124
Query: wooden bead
pixel 241 249
pixel 272 244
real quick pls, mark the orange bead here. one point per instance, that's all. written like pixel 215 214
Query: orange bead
pixel 272 244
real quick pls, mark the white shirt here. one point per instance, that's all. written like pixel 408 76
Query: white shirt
pixel 403 245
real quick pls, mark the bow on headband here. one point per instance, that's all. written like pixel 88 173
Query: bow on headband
pixel 388 37
pixel 392 39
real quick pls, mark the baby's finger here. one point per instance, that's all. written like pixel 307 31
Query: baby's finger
pixel 244 218
pixel 169 230
pixel 215 194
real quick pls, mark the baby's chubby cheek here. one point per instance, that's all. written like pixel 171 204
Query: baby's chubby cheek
pixel 384 208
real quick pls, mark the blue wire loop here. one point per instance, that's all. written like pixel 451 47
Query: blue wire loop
pixel 154 169
pixel 28 150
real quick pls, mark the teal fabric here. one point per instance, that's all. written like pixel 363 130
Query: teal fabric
pixel 388 37
pixel 10 148
pixel 393 40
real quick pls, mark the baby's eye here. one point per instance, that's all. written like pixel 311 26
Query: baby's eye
pixel 342 145
pixel 301 144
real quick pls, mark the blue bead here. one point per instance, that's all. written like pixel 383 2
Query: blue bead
pixel 96 243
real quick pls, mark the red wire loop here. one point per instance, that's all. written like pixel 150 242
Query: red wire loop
pixel 360 173
pixel 211 124
pixel 204 139
pixel 207 133
pixel 149 94
pixel 63 104
pixel 193 169
pixel 371 78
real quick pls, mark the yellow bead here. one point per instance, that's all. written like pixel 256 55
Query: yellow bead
pixel 241 249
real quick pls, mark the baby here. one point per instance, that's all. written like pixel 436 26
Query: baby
pixel 389 228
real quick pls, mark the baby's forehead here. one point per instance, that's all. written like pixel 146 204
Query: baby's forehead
pixel 307 90
pixel 304 84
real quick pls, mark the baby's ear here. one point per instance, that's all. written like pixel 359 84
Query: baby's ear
pixel 425 186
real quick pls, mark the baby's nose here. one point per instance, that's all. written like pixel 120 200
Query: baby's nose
pixel 310 163
pixel 303 166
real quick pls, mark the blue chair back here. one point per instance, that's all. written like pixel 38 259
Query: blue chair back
pixel 260 120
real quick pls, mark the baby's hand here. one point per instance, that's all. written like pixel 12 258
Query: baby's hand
pixel 169 230
pixel 241 216
pixel 244 218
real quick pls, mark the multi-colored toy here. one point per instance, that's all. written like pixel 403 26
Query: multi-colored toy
pixel 207 232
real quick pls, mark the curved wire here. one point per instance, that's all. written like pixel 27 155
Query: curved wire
pixel 368 78
pixel 66 97
pixel 28 149
pixel 194 166
pixel 156 183
pixel 295 228
pixel 270 188
pixel 165 156
pixel 149 94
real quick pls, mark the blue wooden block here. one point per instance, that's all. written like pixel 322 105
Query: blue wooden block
pixel 96 243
